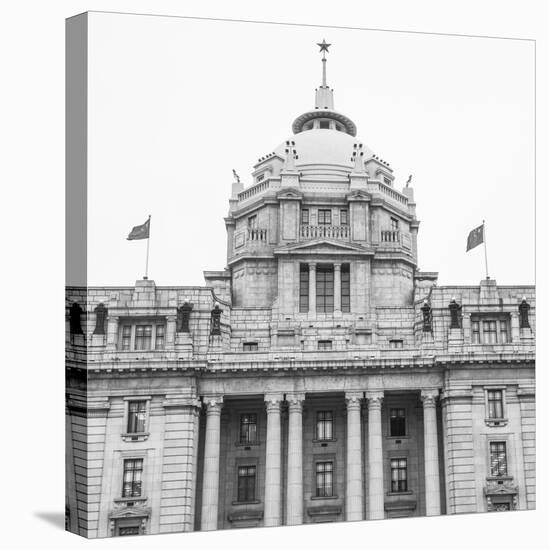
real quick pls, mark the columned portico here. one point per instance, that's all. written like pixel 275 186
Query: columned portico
pixel 210 488
pixel 273 463
pixel 294 490
pixel 376 498
pixel 430 438
pixel 354 494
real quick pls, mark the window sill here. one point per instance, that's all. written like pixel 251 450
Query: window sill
pixel 249 444
pixel 497 422
pixel 392 437
pixel 333 497
pixel 398 493
pixel 133 437
pixel 244 502
pixel 130 500
pixel 325 440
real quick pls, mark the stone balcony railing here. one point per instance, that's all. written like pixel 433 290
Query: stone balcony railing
pixel 393 238
pixel 389 192
pixel 254 190
pixel 254 234
pixel 340 232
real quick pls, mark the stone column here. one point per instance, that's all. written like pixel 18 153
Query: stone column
pixel 337 287
pixel 353 493
pixel 376 496
pixel 432 481
pixel 294 490
pixel 312 287
pixel 273 463
pixel 170 331
pixel 210 481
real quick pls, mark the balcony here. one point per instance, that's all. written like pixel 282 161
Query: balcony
pixel 395 239
pixel 338 232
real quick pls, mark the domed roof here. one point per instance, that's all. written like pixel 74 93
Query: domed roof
pixel 323 148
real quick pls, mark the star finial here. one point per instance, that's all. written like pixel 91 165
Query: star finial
pixel 323 47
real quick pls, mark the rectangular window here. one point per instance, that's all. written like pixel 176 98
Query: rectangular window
pixel 305 217
pixel 324 124
pixel 143 336
pixel 324 479
pixel 396 344
pixel 159 337
pixel 343 217
pixel 504 331
pixel 324 217
pixel 303 288
pixel 246 483
pixel 495 404
pixel 325 289
pixel 324 345
pixel 489 332
pixel 133 473
pixel 475 332
pixel 324 425
pixel 250 346
pixel 345 288
pixel 248 428
pixel 137 415
pixel 498 458
pixel 252 222
pixel 387 180
pixel 397 422
pixel 394 224
pixel 399 475
pixel 128 531
pixel 261 177
pixel 126 337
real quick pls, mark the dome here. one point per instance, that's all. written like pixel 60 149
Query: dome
pixel 323 148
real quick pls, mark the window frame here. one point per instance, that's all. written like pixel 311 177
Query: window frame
pixel 248 442
pixel 246 463
pixel 393 343
pixel 502 330
pixel 498 441
pixel 389 419
pixel 322 343
pixel 305 216
pixel 321 437
pixel 126 460
pixel 133 323
pixel 316 487
pixel 406 489
pixel 252 347
pixel 136 436
pixel 324 214
pixel 344 216
pixel 325 280
pixel 345 283
pixel 304 285
pixel 493 421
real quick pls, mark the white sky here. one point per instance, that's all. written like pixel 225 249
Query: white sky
pixel 176 104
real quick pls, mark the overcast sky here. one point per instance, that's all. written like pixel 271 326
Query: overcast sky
pixel 176 104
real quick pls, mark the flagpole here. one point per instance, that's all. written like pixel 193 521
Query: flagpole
pixel 485 252
pixel 147 260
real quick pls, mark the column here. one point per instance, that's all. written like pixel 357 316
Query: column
pixel 312 287
pixel 376 496
pixel 210 481
pixel 353 493
pixel 337 287
pixel 432 481
pixel 273 463
pixel 171 322
pixel 294 490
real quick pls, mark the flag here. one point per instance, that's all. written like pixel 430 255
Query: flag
pixel 140 231
pixel 475 238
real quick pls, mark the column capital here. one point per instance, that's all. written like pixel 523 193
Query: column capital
pixel 213 403
pixel 353 399
pixel 295 401
pixel 374 398
pixel 273 401
pixel 429 397
pixel 312 266
pixel 337 265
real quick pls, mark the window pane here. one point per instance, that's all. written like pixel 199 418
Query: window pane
pixel 305 217
pixel 137 411
pixel 398 422
pixel 303 288
pixel 498 458
pixel 159 340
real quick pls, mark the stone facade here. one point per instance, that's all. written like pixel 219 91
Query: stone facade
pixel 319 377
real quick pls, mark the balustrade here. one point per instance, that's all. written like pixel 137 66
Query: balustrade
pixel 324 231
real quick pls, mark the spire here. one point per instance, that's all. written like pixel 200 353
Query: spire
pixel 324 95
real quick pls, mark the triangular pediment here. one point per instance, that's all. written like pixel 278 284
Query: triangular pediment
pixel 289 193
pixel 130 512
pixel 323 246
pixel 358 195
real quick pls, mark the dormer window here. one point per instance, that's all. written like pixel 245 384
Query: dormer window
pixel 386 180
pixel 145 335
pixel 259 178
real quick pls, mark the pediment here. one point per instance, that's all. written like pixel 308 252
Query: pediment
pixel 323 246
pixel 130 512
pixel 358 195
pixel 289 193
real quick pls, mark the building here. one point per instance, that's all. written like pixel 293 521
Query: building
pixel 319 377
